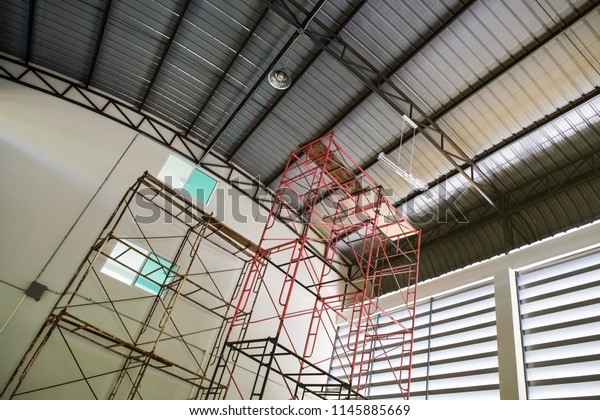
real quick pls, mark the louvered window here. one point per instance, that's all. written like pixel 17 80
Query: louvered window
pixel 455 352
pixel 560 322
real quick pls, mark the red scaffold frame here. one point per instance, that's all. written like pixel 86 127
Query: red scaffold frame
pixel 336 209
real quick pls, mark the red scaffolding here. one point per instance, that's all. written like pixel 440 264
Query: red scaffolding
pixel 336 209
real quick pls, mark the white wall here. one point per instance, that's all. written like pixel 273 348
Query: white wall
pixel 55 158
pixel 502 270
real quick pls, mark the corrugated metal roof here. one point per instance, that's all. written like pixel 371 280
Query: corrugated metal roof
pixel 483 69
pixel 486 117
pixel 13 27
pixel 385 31
pixel 318 97
pixel 525 93
pixel 337 86
pixel 64 35
pixel 549 149
pixel 134 37
pixel 261 48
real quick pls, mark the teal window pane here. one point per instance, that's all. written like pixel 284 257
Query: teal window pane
pixel 154 275
pixel 201 186
pixel 125 261
pixel 175 172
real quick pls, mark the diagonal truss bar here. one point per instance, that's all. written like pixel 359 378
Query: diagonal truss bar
pixel 387 90
pixel 99 375
pixel 515 137
pixel 164 53
pixel 79 368
pixel 401 64
pixel 128 116
pixel 301 26
pixel 561 180
pixel 568 177
pixel 95 101
pixel 98 42
pixel 226 72
pixel 294 81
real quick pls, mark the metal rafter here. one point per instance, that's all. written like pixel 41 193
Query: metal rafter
pixel 548 185
pixel 97 102
pixel 558 182
pixel 30 30
pixel 398 66
pixel 502 68
pixel 515 137
pixel 226 72
pixel 98 42
pixel 164 53
pixel 294 80
pixel 474 89
pixel 301 25
pixel 127 115
pixel 387 90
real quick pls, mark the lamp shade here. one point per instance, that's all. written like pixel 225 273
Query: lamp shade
pixel 279 79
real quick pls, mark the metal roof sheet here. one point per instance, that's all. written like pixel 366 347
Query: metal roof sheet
pixel 14 27
pixel 483 69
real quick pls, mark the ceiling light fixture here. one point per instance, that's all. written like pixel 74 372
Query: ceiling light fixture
pixel 395 166
pixel 280 79
pixel 408 177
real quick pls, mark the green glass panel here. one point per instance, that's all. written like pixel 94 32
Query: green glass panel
pixel 201 186
pixel 154 275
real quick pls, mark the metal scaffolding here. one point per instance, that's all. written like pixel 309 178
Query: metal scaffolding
pixel 282 346
pixel 151 334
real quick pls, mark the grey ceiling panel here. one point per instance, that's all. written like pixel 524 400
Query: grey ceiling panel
pixel 456 61
pixel 526 93
pixel 64 35
pixel 490 71
pixel 385 31
pixel 517 166
pixel 14 17
pixel 135 36
pixel 245 72
pixel 552 146
pixel 412 23
pixel 324 90
pixel 261 102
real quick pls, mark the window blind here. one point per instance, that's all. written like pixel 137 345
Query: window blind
pixel 560 323
pixel 455 352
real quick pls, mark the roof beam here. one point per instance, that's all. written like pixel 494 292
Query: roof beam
pixel 294 80
pixel 164 53
pixel 561 184
pixel 560 177
pixel 102 104
pixel 565 184
pixel 98 42
pixel 226 72
pixel 496 72
pixel 30 31
pixel 515 137
pixel 302 27
pixel 398 66
pixel 389 92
